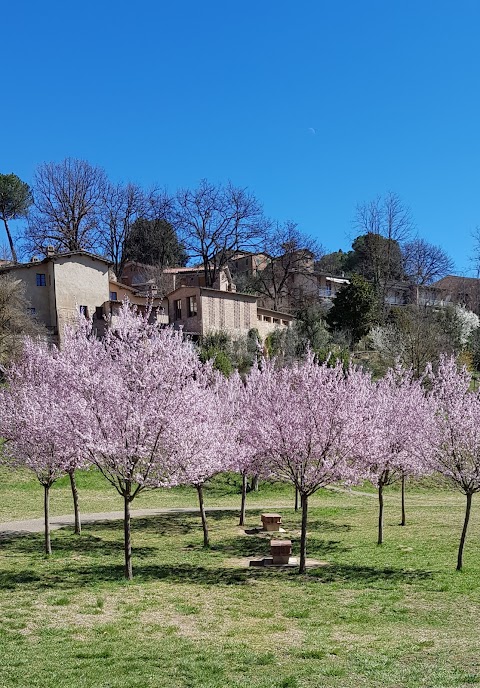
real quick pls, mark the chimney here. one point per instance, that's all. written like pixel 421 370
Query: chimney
pixel 50 251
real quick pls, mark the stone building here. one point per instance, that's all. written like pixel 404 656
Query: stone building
pixel 60 285
pixel 200 311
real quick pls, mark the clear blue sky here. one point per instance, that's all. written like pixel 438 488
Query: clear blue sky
pixel 314 105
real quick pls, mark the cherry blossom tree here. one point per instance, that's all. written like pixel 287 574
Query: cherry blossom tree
pixel 33 423
pixel 245 458
pixel 202 442
pixel 127 394
pixel 457 441
pixel 311 422
pixel 399 445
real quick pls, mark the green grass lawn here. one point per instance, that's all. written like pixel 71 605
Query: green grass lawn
pixel 392 616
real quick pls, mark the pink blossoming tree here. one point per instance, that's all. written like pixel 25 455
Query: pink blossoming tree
pixel 457 441
pixel 399 444
pixel 310 422
pixel 34 425
pixel 245 457
pixel 201 438
pixel 126 392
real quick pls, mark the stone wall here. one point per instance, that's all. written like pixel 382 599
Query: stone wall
pixel 80 282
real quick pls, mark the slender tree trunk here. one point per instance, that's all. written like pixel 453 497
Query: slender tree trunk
pixel 303 537
pixel 76 510
pixel 244 500
pixel 404 520
pixel 296 498
pixel 46 511
pixel 464 532
pixel 380 514
pixel 206 541
pixel 127 532
pixel 10 241
pixel 255 483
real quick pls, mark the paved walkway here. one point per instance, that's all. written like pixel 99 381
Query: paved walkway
pixel 36 525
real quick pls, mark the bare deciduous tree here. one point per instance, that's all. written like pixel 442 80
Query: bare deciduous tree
pixel 288 257
pixel 387 217
pixel 475 258
pixel 67 202
pixel 213 221
pixel 121 206
pixel 424 262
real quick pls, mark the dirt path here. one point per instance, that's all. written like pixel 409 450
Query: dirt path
pixel 36 525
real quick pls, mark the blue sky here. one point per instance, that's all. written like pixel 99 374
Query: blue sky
pixel 315 106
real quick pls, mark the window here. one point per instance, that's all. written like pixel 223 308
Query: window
pixel 178 309
pixel 41 280
pixel 32 312
pixel 83 310
pixel 113 296
pixel 192 306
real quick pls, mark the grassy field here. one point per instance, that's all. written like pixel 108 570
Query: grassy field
pixel 392 616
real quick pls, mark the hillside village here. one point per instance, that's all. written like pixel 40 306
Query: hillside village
pixel 62 283
pixel 208 262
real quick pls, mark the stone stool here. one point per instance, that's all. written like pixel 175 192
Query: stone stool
pixel 280 551
pixel 271 522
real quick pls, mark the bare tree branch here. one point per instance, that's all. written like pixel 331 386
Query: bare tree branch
pixel 424 262
pixel 66 211
pixel 287 256
pixel 214 221
pixel 122 205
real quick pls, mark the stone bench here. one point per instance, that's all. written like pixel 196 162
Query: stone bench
pixel 271 522
pixel 280 551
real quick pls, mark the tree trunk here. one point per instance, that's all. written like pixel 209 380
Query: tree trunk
pixel 403 501
pixel 76 510
pixel 206 541
pixel 10 241
pixel 464 532
pixel 255 483
pixel 46 511
pixel 127 532
pixel 296 498
pixel 303 538
pixel 244 499
pixel 380 514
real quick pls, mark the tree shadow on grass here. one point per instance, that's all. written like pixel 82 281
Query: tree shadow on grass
pixel 162 524
pixel 68 544
pixel 258 546
pixel 66 569
pixel 316 525
pixel 366 575
pixel 68 578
